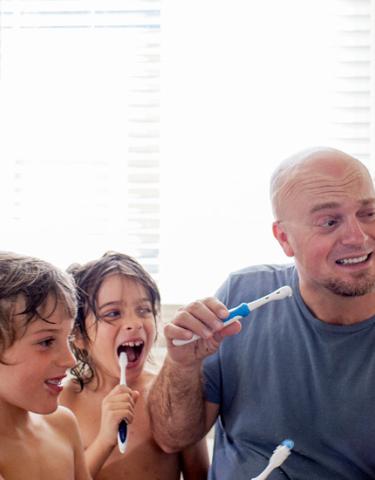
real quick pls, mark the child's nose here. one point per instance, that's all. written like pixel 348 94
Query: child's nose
pixel 132 323
pixel 66 358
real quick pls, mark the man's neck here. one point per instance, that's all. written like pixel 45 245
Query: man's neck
pixel 340 310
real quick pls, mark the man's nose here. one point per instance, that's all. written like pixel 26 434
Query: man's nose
pixel 354 232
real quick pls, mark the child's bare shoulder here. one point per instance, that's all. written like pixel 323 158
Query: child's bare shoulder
pixel 47 451
pixel 63 420
pixel 65 424
pixel 144 382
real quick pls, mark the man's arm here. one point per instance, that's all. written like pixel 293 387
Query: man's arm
pixel 180 416
pixel 195 461
pixel 177 407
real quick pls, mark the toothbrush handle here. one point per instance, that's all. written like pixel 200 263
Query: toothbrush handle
pixel 235 313
pixel 264 475
pixel 122 435
pixel 123 426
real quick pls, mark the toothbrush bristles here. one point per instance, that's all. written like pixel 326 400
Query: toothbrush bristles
pixel 123 361
pixel 280 454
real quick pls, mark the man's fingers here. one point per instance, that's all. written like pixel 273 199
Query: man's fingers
pixel 230 330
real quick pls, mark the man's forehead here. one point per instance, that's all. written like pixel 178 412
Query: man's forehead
pixel 318 191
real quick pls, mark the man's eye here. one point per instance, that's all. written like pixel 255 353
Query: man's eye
pixel 329 223
pixel 368 215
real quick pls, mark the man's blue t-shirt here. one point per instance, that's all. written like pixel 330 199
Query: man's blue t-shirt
pixel 288 375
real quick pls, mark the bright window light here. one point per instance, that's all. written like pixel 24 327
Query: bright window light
pixel 153 127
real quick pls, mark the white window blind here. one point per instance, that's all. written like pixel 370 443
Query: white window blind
pixel 152 127
pixel 80 127
pixel 352 115
pixel 248 84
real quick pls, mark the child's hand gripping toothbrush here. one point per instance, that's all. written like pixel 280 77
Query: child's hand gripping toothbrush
pixel 244 309
pixel 280 454
pixel 123 427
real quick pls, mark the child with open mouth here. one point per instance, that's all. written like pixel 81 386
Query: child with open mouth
pixel 119 304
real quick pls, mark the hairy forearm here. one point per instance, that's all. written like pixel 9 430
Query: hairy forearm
pixel 177 406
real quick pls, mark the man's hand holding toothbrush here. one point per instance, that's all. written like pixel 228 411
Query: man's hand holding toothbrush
pixel 203 319
pixel 195 333
pixel 208 322
pixel 180 376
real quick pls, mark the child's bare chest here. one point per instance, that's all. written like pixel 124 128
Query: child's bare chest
pixel 146 462
pixel 40 457
pixel 139 431
pixel 143 459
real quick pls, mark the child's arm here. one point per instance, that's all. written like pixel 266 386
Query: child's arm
pixel 117 405
pixel 195 461
pixel 80 466
pixel 69 426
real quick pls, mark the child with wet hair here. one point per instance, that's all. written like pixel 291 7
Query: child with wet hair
pixel 38 438
pixel 118 308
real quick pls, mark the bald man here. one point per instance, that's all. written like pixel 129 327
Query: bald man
pixel 302 368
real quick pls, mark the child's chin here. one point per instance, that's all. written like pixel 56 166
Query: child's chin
pixel 45 409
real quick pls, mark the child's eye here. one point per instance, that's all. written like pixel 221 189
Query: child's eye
pixel 112 315
pixel 47 342
pixel 144 311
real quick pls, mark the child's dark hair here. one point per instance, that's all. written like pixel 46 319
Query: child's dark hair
pixel 89 278
pixel 32 280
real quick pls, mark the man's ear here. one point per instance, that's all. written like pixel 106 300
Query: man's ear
pixel 281 236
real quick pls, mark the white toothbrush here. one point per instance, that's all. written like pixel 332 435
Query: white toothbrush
pixel 122 435
pixel 280 454
pixel 244 309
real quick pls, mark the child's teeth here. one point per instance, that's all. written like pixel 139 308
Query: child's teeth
pixel 132 344
pixel 55 382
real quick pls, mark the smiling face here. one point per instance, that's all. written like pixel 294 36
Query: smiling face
pixel 126 321
pixel 36 363
pixel 327 222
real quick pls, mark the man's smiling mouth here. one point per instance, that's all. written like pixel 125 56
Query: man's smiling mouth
pixel 353 260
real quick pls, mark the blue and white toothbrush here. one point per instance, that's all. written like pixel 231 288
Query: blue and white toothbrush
pixel 280 454
pixel 122 435
pixel 244 309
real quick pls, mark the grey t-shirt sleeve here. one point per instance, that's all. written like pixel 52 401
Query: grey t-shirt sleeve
pixel 212 379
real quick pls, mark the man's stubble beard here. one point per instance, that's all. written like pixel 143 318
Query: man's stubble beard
pixel 355 288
